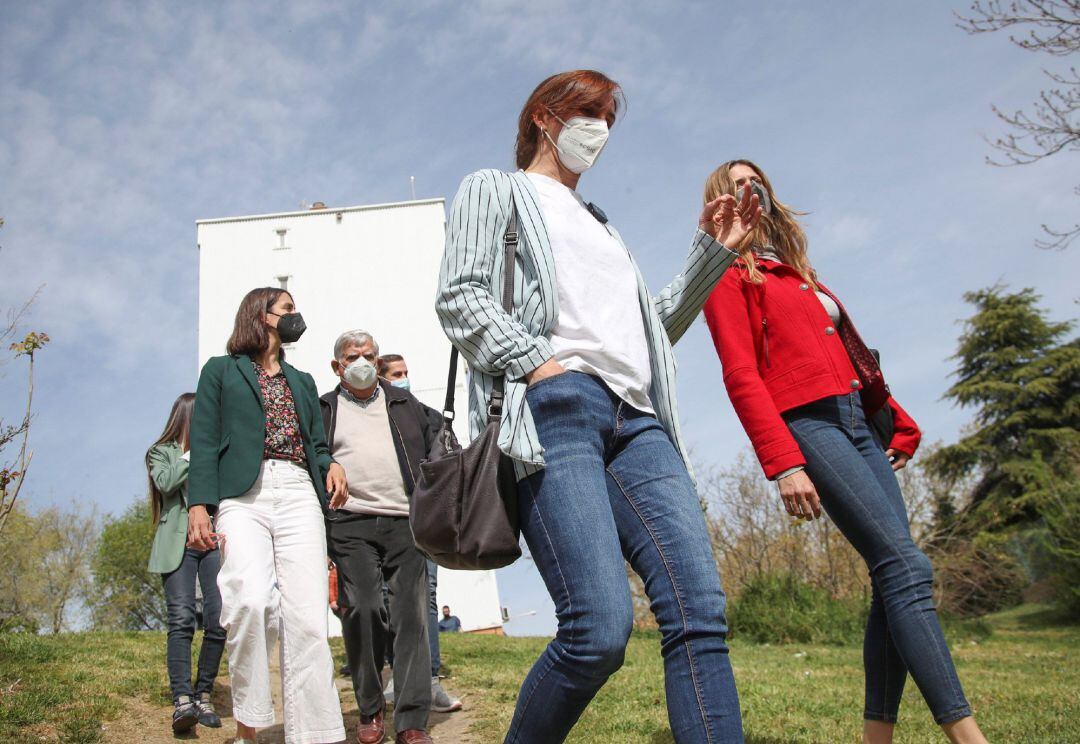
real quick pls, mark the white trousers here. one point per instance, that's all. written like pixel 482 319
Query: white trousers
pixel 273 587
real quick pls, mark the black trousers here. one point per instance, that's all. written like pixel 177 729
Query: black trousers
pixel 180 604
pixel 369 550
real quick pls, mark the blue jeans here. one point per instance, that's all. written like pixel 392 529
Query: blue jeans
pixel 180 606
pixel 859 491
pixel 615 488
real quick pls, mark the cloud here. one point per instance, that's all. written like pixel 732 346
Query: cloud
pixel 846 233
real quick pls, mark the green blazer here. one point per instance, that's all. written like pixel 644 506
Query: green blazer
pixel 228 429
pixel 169 473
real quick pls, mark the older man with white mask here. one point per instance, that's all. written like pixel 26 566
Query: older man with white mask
pixel 379 433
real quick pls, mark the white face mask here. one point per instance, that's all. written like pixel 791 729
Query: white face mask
pixel 580 142
pixel 360 374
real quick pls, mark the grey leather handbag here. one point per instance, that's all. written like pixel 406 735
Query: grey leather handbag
pixel 464 506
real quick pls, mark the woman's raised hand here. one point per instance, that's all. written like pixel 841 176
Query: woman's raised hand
pixel 729 221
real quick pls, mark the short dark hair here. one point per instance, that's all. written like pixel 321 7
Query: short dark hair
pixel 386 359
pixel 249 334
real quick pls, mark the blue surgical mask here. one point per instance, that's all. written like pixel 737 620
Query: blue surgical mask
pixel 401 382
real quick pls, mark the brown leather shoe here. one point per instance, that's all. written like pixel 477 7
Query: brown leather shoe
pixel 413 736
pixel 371 730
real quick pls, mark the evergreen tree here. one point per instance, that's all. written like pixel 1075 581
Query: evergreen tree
pixel 1022 377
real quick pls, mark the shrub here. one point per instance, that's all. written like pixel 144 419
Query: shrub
pixel 784 608
pixel 976 576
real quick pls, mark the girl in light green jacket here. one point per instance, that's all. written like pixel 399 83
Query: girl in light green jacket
pixel 179 566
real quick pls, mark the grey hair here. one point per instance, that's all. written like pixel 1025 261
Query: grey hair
pixel 350 338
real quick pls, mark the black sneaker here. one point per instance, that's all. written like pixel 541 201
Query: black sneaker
pixel 205 710
pixel 184 715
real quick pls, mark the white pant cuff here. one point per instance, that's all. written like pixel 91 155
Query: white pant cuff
pixel 321 737
pixel 254 720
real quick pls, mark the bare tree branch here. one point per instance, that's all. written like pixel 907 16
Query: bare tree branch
pixel 1052 125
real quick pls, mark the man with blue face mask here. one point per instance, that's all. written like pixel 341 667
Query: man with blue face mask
pixel 394 369
pixel 379 433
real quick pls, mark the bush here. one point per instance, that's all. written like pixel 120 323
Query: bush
pixel 783 608
pixel 976 576
pixel 1062 517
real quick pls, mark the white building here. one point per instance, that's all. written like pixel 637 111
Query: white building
pixel 372 267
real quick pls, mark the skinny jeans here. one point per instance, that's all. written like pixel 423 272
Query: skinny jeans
pixel 615 489
pixel 860 493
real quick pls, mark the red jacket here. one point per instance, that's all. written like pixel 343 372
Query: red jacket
pixel 779 351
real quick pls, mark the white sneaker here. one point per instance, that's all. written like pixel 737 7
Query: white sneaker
pixel 441 701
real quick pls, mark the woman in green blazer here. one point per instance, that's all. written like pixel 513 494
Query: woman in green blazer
pixel 179 566
pixel 260 462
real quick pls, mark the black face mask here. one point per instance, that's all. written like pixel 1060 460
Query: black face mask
pixel 290 327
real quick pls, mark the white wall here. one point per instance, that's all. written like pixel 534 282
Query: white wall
pixel 374 268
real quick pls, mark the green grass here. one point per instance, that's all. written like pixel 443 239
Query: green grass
pixel 1023 681
pixel 67 685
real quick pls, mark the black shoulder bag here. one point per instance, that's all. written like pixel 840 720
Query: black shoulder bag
pixel 464 506
pixel 881 420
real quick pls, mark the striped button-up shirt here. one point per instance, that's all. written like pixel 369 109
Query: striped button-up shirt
pixel 496 343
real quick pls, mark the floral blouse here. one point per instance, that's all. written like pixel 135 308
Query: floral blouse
pixel 283 439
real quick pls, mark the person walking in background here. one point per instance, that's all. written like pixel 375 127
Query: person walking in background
pixel 589 415
pixel 180 567
pixel 379 433
pixel 803 382
pixel 449 623
pixel 259 458
pixel 394 369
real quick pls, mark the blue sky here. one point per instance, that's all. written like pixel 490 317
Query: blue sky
pixel 121 123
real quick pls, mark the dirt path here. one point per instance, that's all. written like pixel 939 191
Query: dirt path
pixel 143 722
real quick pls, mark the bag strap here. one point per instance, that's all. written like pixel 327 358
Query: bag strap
pixel 495 403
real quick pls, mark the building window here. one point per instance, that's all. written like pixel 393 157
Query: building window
pixel 281 232
pixel 283 283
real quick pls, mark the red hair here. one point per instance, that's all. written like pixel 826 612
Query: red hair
pixel 578 92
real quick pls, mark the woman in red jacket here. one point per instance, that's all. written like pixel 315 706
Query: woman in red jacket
pixel 802 382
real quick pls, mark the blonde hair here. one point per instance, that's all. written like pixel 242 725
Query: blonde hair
pixel 779 230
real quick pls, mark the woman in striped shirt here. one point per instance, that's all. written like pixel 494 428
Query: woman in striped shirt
pixel 589 417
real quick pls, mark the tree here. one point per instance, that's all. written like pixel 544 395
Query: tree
pixel 23 592
pixel 758 546
pixel 67 565
pixel 1021 374
pixel 13 473
pixel 1023 380
pixel 46 559
pixel 126 595
pixel 1052 126
pixel 754 538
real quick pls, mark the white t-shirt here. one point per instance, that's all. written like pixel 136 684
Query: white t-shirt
pixel 600 330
